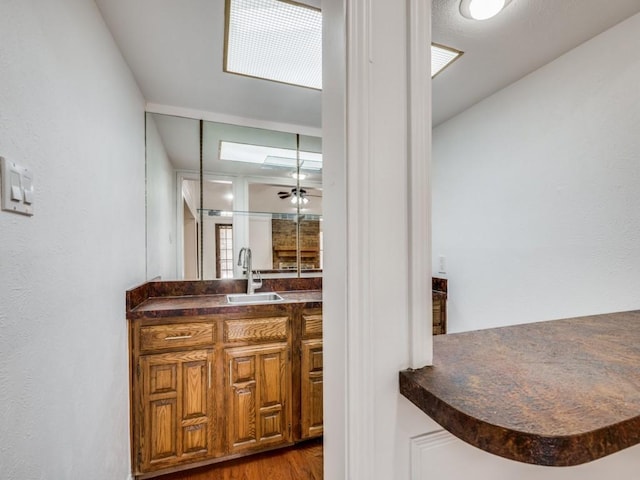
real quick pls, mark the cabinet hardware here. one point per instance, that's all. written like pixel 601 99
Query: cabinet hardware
pixel 178 337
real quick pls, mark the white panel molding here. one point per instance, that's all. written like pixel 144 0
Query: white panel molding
pixel 421 447
pixel 419 184
pixel 232 119
pixel 360 416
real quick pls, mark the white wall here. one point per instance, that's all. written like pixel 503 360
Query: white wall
pixel 261 242
pixel 535 191
pixel 71 111
pixel 161 207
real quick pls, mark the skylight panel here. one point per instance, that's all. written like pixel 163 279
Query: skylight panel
pixel 274 40
pixel 278 157
pixel 442 57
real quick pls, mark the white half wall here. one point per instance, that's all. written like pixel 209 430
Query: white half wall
pixel 71 111
pixel 441 456
pixel 161 207
pixel 535 191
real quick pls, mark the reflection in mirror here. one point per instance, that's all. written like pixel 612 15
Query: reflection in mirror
pixel 310 219
pixel 172 144
pixel 217 229
pixel 261 189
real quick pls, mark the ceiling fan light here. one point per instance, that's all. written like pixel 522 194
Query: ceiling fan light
pixel 482 9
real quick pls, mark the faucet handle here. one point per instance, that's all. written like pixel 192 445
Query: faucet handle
pixel 258 284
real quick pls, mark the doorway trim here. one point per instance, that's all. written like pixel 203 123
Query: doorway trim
pixel 350 362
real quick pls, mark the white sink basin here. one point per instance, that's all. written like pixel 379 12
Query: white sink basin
pixel 244 298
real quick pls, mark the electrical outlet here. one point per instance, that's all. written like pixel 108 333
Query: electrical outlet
pixel 442 264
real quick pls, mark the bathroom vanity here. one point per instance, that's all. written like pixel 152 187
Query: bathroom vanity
pixel 211 381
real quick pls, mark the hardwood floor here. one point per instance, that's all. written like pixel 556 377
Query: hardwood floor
pixel 300 462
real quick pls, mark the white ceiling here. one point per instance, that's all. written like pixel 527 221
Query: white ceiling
pixel 526 35
pixel 174 48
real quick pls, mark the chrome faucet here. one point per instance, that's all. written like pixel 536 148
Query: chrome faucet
pixel 244 261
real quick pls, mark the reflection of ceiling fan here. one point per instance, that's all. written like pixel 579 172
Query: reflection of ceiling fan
pixel 297 196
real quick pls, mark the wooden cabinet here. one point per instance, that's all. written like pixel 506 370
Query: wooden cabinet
pixel 214 387
pixel 311 374
pixel 258 381
pixel 439 313
pixel 258 404
pixel 311 388
pixel 176 408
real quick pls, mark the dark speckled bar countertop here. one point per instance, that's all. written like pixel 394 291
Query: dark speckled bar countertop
pixel 157 299
pixel 563 392
pixel 209 304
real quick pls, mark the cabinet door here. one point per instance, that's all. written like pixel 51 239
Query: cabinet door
pixel 258 406
pixel 177 409
pixel 311 388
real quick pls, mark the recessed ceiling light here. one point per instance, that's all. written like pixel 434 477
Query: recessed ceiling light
pixel 482 9
pixel 274 40
pixel 442 57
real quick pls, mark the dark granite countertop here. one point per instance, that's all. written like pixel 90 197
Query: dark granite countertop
pixel 158 298
pixel 560 393
pixel 190 305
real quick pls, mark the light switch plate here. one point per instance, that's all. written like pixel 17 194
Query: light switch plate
pixel 17 187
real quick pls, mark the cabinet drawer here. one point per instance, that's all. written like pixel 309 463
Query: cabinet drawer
pixel 256 329
pixel 312 325
pixel 158 337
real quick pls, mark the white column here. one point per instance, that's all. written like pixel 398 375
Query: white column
pixel 377 231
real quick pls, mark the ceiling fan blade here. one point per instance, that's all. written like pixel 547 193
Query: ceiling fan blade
pixel 284 194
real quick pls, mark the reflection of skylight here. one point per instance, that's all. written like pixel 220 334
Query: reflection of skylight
pixel 277 157
pixel 441 57
pixel 275 40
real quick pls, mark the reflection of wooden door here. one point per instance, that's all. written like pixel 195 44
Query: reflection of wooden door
pixel 224 250
pixel 177 408
pixel 257 396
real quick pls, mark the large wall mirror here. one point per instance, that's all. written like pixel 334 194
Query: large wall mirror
pixel 215 188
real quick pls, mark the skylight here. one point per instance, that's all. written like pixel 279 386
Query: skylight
pixel 442 57
pixel 281 40
pixel 274 40
pixel 272 156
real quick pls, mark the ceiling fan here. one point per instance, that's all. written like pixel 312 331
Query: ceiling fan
pixel 297 195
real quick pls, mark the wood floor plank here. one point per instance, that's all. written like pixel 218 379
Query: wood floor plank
pixel 300 462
